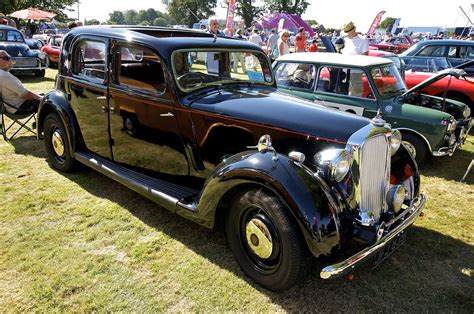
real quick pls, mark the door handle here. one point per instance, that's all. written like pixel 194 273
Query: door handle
pixel 168 114
pixel 101 97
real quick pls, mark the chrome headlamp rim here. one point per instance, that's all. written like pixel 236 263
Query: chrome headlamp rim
pixel 452 124
pixel 335 162
pixel 395 140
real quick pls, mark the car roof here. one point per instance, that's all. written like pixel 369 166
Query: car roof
pixel 334 58
pixel 6 27
pixel 164 39
pixel 445 42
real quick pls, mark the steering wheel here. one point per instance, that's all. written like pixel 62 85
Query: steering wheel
pixel 191 79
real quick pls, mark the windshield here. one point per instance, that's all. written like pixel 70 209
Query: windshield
pixel 196 69
pixel 388 81
pixel 424 64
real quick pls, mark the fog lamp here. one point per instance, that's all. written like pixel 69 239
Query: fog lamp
pixel 467 112
pixel 452 139
pixel 395 198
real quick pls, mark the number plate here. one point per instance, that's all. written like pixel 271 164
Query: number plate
pixel 383 253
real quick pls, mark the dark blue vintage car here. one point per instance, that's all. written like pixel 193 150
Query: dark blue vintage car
pixel 26 60
pixel 195 123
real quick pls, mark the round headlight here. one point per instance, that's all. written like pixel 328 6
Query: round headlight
pixel 451 126
pixel 395 197
pixel 336 163
pixel 395 139
pixel 467 112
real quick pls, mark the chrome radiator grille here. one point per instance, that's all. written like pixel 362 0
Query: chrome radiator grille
pixel 25 62
pixel 374 161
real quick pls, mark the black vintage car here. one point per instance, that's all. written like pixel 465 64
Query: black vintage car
pixel 195 123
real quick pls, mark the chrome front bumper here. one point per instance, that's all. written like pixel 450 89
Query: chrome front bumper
pixel 407 218
pixel 443 151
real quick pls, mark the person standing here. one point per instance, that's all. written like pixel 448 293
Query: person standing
pixel 238 57
pixel 272 44
pixel 214 26
pixel 300 40
pixel 284 43
pixel 354 44
pixel 12 91
pixel 255 38
pixel 314 46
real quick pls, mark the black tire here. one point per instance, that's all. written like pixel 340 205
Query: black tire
pixel 416 146
pixel 57 145
pixel 40 73
pixel 280 263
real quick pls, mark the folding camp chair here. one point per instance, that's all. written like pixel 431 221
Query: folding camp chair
pixel 16 121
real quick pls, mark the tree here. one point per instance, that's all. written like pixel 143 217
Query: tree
pixel 287 6
pixel 248 12
pixel 116 17
pixel 130 17
pixel 387 22
pixel 187 12
pixel 57 6
pixel 151 14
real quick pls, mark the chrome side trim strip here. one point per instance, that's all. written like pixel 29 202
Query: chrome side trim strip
pixel 339 269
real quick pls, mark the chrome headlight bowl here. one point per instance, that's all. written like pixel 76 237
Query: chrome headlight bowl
pixel 395 197
pixel 335 163
pixel 395 139
pixel 451 126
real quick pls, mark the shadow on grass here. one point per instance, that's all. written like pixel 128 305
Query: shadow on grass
pixel 34 79
pixel 450 168
pixel 428 273
pixel 28 145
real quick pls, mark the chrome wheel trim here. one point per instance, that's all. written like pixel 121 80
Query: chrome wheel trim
pixel 410 147
pixel 57 143
pixel 259 239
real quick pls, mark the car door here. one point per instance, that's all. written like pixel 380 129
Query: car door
pixel 143 126
pixel 86 90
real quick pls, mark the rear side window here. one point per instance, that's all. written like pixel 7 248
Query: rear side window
pixel 296 75
pixel 432 51
pixel 89 60
pixel 140 68
pixel 458 52
pixel 345 81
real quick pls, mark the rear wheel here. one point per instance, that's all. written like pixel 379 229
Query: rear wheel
pixel 416 147
pixel 57 145
pixel 265 240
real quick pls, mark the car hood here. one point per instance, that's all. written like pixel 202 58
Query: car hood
pixel 17 49
pixel 274 109
pixel 457 73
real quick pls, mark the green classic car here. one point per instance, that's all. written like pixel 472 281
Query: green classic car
pixel 365 85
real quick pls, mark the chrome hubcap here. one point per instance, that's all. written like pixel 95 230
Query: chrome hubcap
pixel 259 238
pixel 410 148
pixel 58 144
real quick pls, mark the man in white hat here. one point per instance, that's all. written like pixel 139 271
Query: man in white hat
pixel 354 44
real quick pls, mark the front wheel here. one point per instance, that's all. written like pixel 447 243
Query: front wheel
pixel 416 147
pixel 265 241
pixel 57 145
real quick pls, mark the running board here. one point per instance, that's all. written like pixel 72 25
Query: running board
pixel 168 195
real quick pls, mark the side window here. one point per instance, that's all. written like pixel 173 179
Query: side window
pixel 470 53
pixel 433 51
pixel 345 81
pixel 140 68
pixel 296 75
pixel 89 60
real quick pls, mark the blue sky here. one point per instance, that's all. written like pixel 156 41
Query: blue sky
pixel 330 13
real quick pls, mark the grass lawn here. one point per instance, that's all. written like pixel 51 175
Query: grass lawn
pixel 82 242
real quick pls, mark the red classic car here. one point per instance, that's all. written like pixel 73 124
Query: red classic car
pixel 53 48
pixel 414 73
pixel 394 44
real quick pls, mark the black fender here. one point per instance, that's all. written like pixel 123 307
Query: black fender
pixel 309 200
pixel 402 158
pixel 56 101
